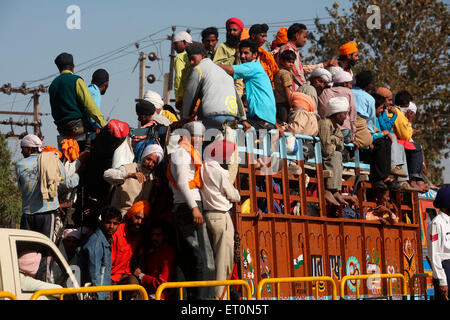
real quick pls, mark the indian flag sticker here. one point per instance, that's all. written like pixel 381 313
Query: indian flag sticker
pixel 298 262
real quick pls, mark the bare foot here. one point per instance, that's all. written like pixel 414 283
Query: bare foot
pixel 339 198
pixel 329 197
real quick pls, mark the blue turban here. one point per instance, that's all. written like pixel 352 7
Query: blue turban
pixel 442 199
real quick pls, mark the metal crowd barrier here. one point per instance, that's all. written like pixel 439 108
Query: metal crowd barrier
pixel 64 291
pixel 9 295
pixel 296 279
pixel 193 284
pixel 368 276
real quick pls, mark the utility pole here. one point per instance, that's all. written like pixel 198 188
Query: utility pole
pixel 170 76
pixel 36 114
pixel 142 57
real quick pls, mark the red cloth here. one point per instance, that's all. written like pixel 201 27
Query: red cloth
pixel 124 245
pixel 158 269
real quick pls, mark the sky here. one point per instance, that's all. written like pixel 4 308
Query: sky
pixel 33 33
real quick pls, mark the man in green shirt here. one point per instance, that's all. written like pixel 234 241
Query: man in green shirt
pixel 71 102
pixel 181 65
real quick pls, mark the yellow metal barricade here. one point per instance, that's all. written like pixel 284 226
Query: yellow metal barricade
pixel 117 288
pixel 374 275
pixel 193 284
pixel 296 279
pixel 9 295
pixel 413 279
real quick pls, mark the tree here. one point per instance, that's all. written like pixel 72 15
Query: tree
pixel 408 50
pixel 11 201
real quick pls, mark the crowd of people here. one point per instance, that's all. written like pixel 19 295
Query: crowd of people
pixel 166 215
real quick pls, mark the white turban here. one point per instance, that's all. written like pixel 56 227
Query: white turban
pixel 29 262
pixel 155 98
pixel 412 106
pixel 31 141
pixel 153 148
pixel 342 76
pixel 322 73
pixel 74 233
pixel 195 128
pixel 333 70
pixel 182 35
pixel 336 105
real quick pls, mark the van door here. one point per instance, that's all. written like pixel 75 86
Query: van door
pixel 53 270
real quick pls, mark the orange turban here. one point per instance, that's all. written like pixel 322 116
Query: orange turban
pixel 384 92
pixel 50 148
pixel 303 100
pixel 281 37
pixel 348 48
pixel 71 149
pixel 244 34
pixel 140 206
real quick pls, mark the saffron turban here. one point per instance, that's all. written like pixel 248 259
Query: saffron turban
pixel 50 149
pixel 384 92
pixel 342 76
pixel 348 48
pixel 220 150
pixel 336 105
pixel 245 34
pixel 154 98
pixel 442 199
pixel 302 100
pixel 29 263
pixel 322 73
pixel 182 36
pixel 71 149
pixel 235 21
pixel 153 148
pixel 281 37
pixel 140 206
pixel 31 141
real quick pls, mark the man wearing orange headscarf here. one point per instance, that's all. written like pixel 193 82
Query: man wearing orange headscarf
pixel 302 119
pixel 348 56
pixel 258 33
pixel 125 241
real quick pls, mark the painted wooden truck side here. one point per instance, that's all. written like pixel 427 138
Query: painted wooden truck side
pixel 291 239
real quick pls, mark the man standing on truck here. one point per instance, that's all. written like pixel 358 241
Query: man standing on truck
pixel 39 175
pixel 71 102
pixel 438 243
pixel 95 254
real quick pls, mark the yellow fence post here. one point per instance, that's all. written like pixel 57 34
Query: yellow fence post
pixel 296 279
pixel 193 284
pixel 9 295
pixel 374 275
pixel 413 280
pixel 63 291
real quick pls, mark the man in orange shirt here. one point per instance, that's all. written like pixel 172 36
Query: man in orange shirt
pixel 125 241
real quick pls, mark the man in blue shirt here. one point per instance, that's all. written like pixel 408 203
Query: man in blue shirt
pixel 39 210
pixel 365 108
pixel 261 101
pixel 95 254
pixel 97 88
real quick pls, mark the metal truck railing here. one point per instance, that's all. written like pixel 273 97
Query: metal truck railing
pixel 9 295
pixel 368 276
pixel 65 291
pixel 194 284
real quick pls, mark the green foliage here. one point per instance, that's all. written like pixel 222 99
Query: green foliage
pixel 408 52
pixel 10 197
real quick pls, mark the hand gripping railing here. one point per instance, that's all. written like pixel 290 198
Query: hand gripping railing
pixel 375 275
pixel 296 279
pixel 9 295
pixel 193 284
pixel 64 291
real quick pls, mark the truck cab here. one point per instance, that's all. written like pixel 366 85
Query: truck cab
pixel 53 269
